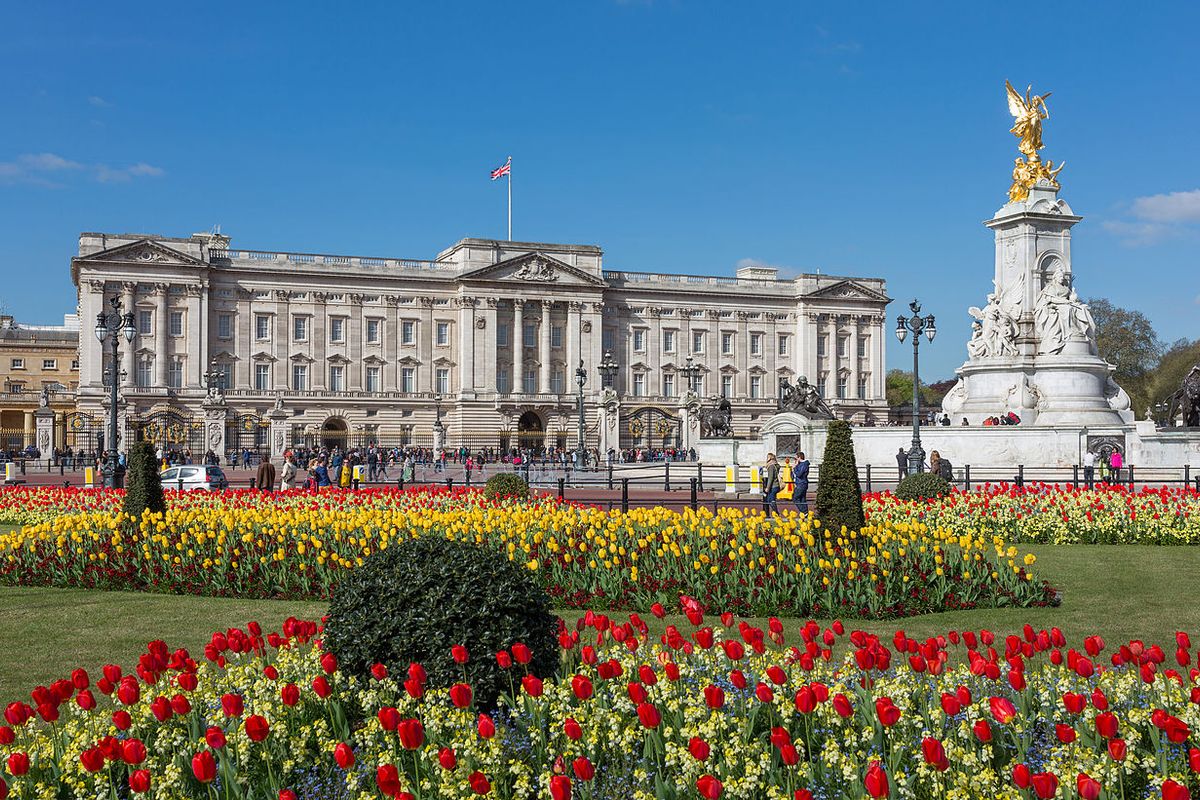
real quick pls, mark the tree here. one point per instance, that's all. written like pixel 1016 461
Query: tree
pixel 898 387
pixel 143 487
pixel 1175 364
pixel 1127 339
pixel 839 494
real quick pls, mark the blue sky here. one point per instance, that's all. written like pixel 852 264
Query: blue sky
pixel 859 139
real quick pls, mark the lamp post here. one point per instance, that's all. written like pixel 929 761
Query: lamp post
pixel 111 326
pixel 439 430
pixel 580 450
pixel 690 371
pixel 918 325
pixel 608 371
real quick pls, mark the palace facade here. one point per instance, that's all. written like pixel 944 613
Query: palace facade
pixel 325 349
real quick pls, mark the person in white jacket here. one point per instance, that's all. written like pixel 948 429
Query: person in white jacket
pixel 288 479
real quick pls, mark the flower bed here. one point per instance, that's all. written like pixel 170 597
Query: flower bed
pixel 730 711
pixel 298 545
pixel 1054 514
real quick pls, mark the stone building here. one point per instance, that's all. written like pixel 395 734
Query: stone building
pixel 331 349
pixel 36 359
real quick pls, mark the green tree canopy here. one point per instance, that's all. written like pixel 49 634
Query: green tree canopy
pixel 1127 339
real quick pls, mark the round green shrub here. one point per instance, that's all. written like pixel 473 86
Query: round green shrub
pixel 922 486
pixel 417 599
pixel 506 486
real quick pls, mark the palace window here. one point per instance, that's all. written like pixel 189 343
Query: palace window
pixel 300 377
pixel 639 341
pixel 698 382
pixel 668 384
pixel 408 332
pixel 262 327
pixel 821 345
pixel 726 386
pixel 502 334
pixel 443 334
pixel 176 323
pixel 779 390
pixel 49 363
pixel 224 326
pixel 18 363
pixel 755 386
pixel 503 386
pixel 697 341
pixel 556 336
pixel 300 329
pixel 262 377
pixel 556 381
pixel 529 383
pixel 143 322
pixel 337 329
pixel 443 381
pixel 726 343
pixel 175 373
pixel 862 386
pixel 373 331
pixel 529 335
pixel 606 338
pixel 862 346
pixel 668 341
pixel 756 344
pixel 75 364
pixel 783 344
pixel 143 372
pixel 372 379
pixel 639 384
pixel 225 376
pixel 408 379
pixel 841 384
pixel 337 378
pixel 843 346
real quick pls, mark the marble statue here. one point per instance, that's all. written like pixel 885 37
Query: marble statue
pixel 993 333
pixel 1060 316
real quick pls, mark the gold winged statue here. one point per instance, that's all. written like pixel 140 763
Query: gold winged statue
pixel 1028 113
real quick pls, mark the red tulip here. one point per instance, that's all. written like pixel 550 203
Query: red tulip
pixel 257 728
pixel 232 705
pixel 582 687
pixel 16 714
pixel 1088 787
pixel 648 715
pixel 888 714
pixel 1045 784
pixel 935 754
pixel 983 731
pixel 503 659
pixel 460 695
pixel 485 726
pixel 698 748
pixel 139 781
pixel 180 704
pixel 128 692
pixel 290 694
pixel 411 733
pixel 1106 724
pixel 343 755
pixel 215 737
pixel 387 778
pixel 583 768
pixel 709 787
pixel 1175 791
pixel 92 759
pixel 320 687
pixel 329 663
pixel 204 766
pixel 533 685
pixel 459 654
pixel 133 752
pixel 1002 709
pixel 85 699
pixel 1065 733
pixel 714 696
pixel 378 671
pixel 447 759
pixel 388 717
pixel 521 654
pixel 789 755
pixel 479 783
pixel 1194 759
pixel 572 730
pixel 287 794
pixel 876 781
pixel 950 704
pixel 560 787
pixel 1117 749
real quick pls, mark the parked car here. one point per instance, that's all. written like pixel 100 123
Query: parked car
pixel 194 478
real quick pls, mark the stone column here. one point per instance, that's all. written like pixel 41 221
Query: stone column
pixel 466 348
pixel 281 337
pixel 161 292
pixel 29 428
pixel 834 361
pixel 354 344
pixel 852 354
pixel 487 359
pixel 573 341
pixel 44 422
pixel 518 347
pixel 595 344
pixel 193 330
pixel 741 381
pixel 689 418
pixel 878 377
pixel 214 426
pixel 544 350
pixel 609 423
pixel 318 371
pixel 390 381
pixel 425 339
pixel 280 432
pixel 128 295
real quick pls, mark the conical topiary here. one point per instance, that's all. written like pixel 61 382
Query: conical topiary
pixel 839 494
pixel 143 488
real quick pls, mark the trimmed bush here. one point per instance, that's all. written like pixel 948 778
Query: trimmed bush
pixel 839 495
pixel 506 486
pixel 143 488
pixel 417 599
pixel 922 486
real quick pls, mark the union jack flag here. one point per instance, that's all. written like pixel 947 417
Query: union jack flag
pixel 501 171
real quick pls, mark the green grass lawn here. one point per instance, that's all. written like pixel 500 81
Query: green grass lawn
pixel 1120 592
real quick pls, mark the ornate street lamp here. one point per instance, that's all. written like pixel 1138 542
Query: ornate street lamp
pixel 608 371
pixel 580 450
pixel 690 371
pixel 111 326
pixel 918 325
pixel 439 430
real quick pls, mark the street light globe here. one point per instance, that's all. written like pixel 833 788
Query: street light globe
pixel 901 328
pixel 101 327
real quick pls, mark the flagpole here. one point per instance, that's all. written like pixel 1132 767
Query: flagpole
pixel 510 198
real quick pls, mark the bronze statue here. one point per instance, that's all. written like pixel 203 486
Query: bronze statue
pixel 716 423
pixel 1186 400
pixel 803 399
pixel 1028 113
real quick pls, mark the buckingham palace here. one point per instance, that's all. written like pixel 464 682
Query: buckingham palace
pixel 259 348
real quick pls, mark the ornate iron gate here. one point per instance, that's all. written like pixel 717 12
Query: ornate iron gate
pixel 248 432
pixel 171 430
pixel 84 432
pixel 650 428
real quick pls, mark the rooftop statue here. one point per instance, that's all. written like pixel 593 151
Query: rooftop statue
pixel 1028 113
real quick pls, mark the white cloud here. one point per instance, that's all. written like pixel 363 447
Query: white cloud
pixel 44 169
pixel 1157 217
pixel 99 102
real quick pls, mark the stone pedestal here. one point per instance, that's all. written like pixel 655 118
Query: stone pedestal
pixel 787 434
pixel 1033 352
pixel 215 412
pixel 44 424
pixel 280 432
pixel 689 420
pixel 439 436
pixel 609 426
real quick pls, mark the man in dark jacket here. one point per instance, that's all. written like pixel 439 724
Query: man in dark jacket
pixel 800 492
pixel 902 463
pixel 266 475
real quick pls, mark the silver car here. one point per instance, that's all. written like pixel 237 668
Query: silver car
pixel 194 478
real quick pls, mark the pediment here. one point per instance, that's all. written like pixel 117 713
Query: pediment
pixel 337 358
pixel 442 361
pixel 409 361
pixel 301 358
pixel 146 251
pixel 848 290
pixel 373 360
pixel 224 355
pixel 261 356
pixel 536 269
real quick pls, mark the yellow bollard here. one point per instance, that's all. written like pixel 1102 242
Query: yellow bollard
pixel 787 484
pixel 89 477
pixel 755 480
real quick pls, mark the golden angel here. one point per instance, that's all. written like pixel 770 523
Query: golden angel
pixel 1028 113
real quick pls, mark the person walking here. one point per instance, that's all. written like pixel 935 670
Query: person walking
pixel 321 473
pixel 770 485
pixel 940 466
pixel 1089 468
pixel 288 479
pixel 265 480
pixel 800 493
pixel 901 464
